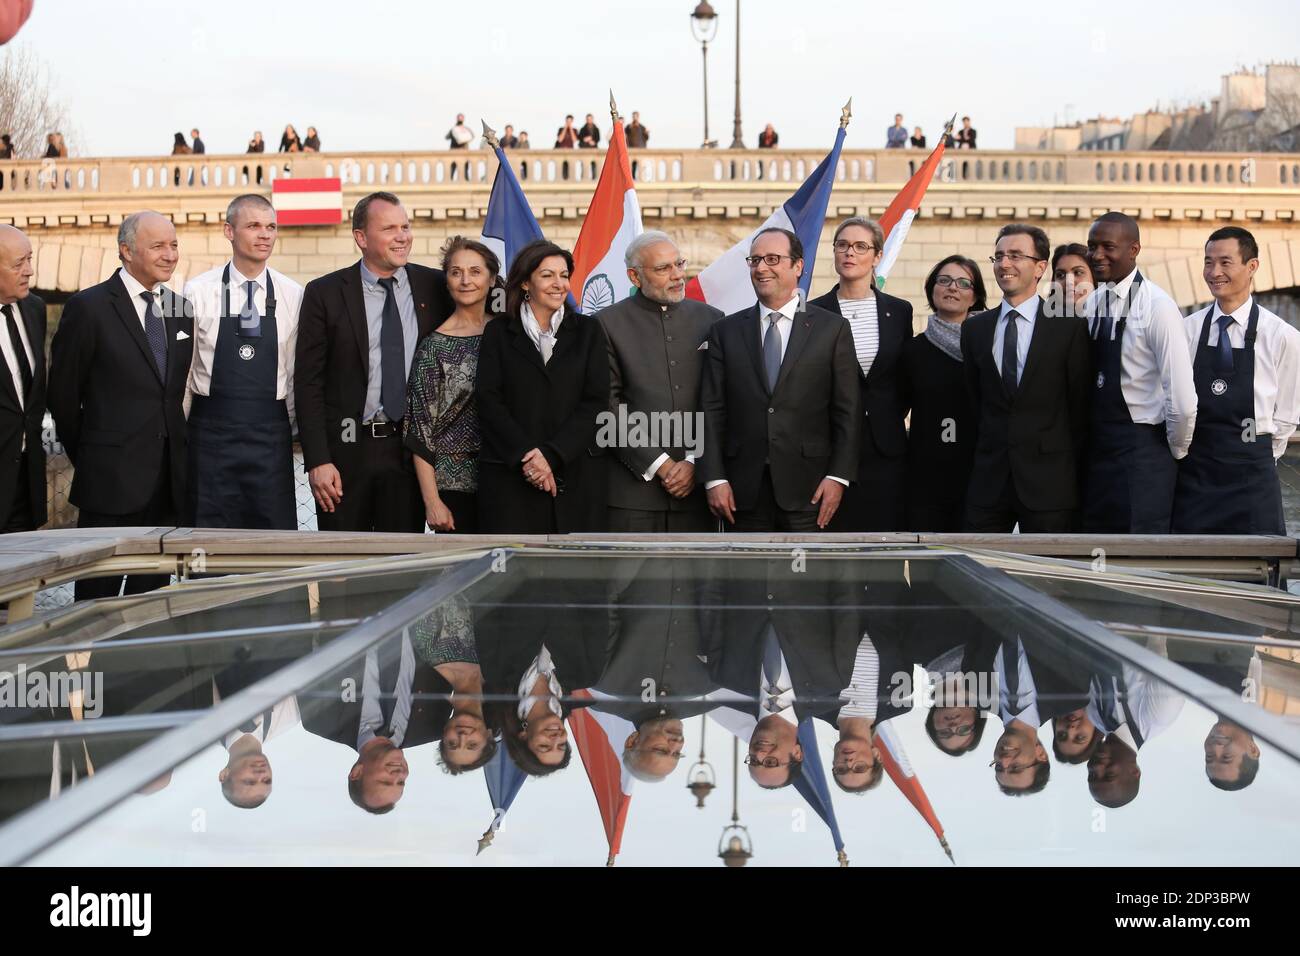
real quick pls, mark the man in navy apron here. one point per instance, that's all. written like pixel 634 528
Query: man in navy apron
pixel 1143 401
pixel 241 382
pixel 1248 387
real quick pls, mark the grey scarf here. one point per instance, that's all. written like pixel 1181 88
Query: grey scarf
pixel 946 336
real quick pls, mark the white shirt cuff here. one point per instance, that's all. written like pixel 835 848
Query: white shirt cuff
pixel 840 480
pixel 650 472
pixel 691 459
pixel 710 485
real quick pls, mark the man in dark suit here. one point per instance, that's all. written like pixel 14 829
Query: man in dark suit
pixel 1027 375
pixel 22 390
pixel 781 402
pixel 357 333
pixel 118 367
pixel 656 341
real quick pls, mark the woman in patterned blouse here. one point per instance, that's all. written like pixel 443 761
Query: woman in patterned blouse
pixel 441 426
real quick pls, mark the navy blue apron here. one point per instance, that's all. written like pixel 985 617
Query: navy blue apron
pixel 240 440
pixel 1227 485
pixel 1129 475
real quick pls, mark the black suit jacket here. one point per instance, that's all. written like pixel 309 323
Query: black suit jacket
pixel 1035 437
pixel 17 420
pixel 113 413
pixel 332 362
pixel 807 428
pixel 524 404
pixel 882 389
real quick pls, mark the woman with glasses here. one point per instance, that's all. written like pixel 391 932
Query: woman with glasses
pixel 543 377
pixel 1072 280
pixel 940 446
pixel 881 326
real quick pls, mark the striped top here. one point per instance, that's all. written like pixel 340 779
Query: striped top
pixel 861 696
pixel 861 315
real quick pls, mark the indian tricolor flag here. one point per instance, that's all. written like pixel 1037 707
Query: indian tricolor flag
pixel 308 202
pixel 897 219
pixel 613 220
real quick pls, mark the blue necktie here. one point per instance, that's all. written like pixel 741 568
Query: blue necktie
pixel 392 356
pixel 772 351
pixel 1225 344
pixel 250 323
pixel 156 334
pixel 1010 357
pixel 1103 323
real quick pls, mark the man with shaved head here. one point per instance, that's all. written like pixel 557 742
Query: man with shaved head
pixel 1142 392
pixel 118 368
pixel 22 388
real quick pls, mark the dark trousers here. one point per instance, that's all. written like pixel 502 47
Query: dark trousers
pixel 874 502
pixel 636 521
pixel 463 506
pixel 159 511
pixel 20 512
pixel 380 493
pixel 1008 511
pixel 768 516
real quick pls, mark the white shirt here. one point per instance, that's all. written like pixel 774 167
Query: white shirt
pixel 1155 364
pixel 863 322
pixel 782 702
pixel 372 715
pixel 1277 366
pixel 134 289
pixel 542 666
pixel 861 697
pixel 544 340
pixel 1028 311
pixel 1026 703
pixel 284 716
pixel 205 294
pixel 12 358
pixel 784 326
pixel 1153 703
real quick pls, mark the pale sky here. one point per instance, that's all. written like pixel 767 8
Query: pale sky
pixel 393 76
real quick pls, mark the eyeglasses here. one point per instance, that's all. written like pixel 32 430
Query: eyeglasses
pixel 1015 257
pixel 861 248
pixel 963 284
pixel 771 763
pixel 668 267
pixel 964 730
pixel 771 259
pixel 845 771
pixel 1004 768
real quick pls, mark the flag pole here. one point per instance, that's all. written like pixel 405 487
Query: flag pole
pixel 490 134
pixel 613 109
pixel 846 112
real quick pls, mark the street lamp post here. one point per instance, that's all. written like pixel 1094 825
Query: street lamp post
pixel 736 141
pixel 704 26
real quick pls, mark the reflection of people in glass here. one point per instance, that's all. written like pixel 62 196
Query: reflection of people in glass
pixel 444 640
pixel 653 751
pixel 1113 773
pixel 962 678
pixel 533 728
pixel 378 779
pixel 1020 763
pixel 1075 737
pixel 1231 756
pixel 246 777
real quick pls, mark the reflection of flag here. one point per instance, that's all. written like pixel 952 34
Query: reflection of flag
pixel 509 224
pixel 308 202
pixel 725 283
pixel 599 738
pixel 897 219
pixel 899 768
pixel 504 780
pixel 613 220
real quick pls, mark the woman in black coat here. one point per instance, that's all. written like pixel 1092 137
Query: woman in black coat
pixel 881 325
pixel 941 442
pixel 543 377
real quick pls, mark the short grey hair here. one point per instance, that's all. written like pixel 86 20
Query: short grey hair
pixel 873 227
pixel 651 237
pixel 130 226
pixel 256 199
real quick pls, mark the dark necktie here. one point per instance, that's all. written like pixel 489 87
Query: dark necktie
pixel 772 351
pixel 16 340
pixel 1011 672
pixel 1010 358
pixel 1225 344
pixel 1104 322
pixel 250 322
pixel 1109 720
pixel 156 333
pixel 392 355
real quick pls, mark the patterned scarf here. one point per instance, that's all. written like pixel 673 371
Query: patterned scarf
pixel 946 336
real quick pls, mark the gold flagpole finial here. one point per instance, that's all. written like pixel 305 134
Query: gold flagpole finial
pixel 613 108
pixel 485 840
pixel 845 113
pixel 490 134
pixel 843 858
pixel 948 850
pixel 947 127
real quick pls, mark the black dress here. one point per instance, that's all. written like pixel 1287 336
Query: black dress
pixel 934 387
pixel 524 403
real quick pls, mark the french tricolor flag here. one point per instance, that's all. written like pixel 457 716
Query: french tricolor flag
pixel 725 283
pixel 308 202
